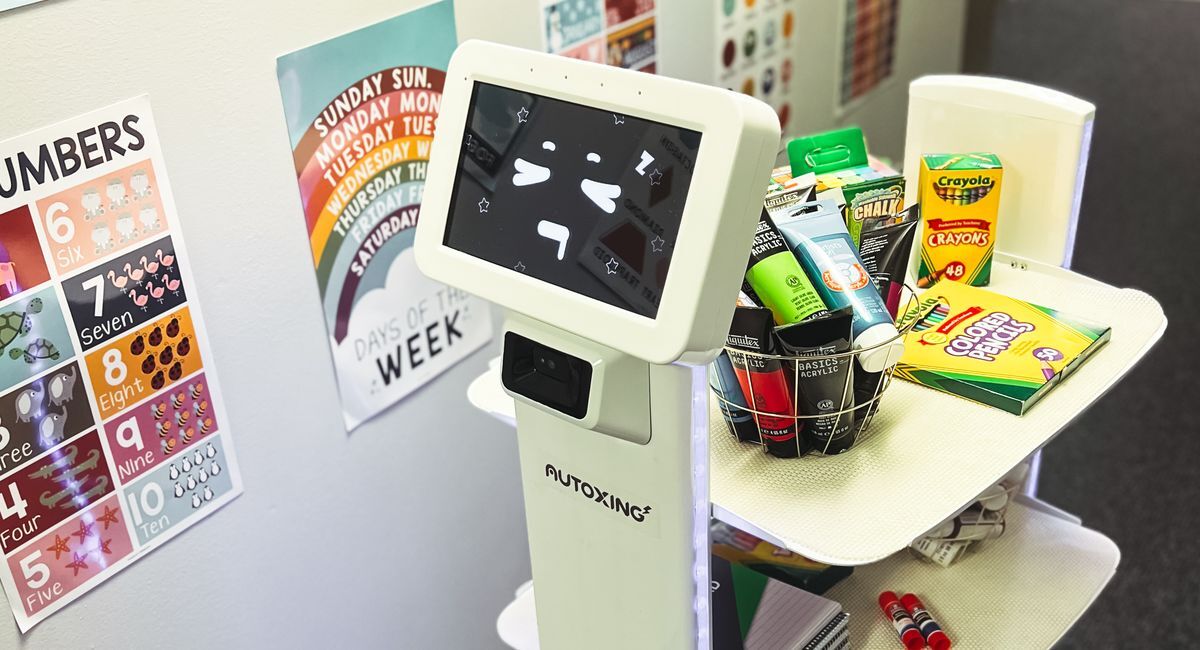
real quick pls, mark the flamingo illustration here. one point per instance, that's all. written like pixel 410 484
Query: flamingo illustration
pixel 117 282
pixel 167 260
pixel 140 301
pixel 150 265
pixel 134 274
pixel 171 283
pixel 155 292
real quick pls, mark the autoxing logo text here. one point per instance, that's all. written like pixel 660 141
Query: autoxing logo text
pixel 593 493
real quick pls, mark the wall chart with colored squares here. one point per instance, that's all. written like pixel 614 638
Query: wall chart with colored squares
pixel 361 110
pixel 113 435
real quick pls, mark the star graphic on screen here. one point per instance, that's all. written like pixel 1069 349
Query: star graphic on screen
pixel 109 516
pixel 79 563
pixel 656 244
pixel 523 115
pixel 612 267
pixel 655 177
pixel 618 119
pixel 85 531
pixel 483 205
pixel 60 546
pixel 520 267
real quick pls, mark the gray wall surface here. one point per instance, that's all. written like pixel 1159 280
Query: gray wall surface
pixel 1128 467
pixel 409 533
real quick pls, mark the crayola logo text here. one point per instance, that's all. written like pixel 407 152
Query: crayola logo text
pixel 963 181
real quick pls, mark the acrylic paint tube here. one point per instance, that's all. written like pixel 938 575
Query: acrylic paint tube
pixel 823 384
pixel 763 381
pixel 777 279
pixel 724 382
pixel 817 234
pixel 884 248
pixel 866 387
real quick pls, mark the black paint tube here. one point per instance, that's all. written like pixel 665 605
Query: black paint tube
pixel 724 381
pixel 824 383
pixel 763 381
pixel 866 384
pixel 884 247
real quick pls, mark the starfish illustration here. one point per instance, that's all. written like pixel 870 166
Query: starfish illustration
pixel 109 516
pixel 656 244
pixel 85 531
pixel 60 546
pixel 612 267
pixel 104 546
pixel 655 177
pixel 483 205
pixel 618 119
pixel 523 115
pixel 79 563
pixel 520 267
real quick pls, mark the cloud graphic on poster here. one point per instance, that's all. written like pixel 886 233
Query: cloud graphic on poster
pixel 379 359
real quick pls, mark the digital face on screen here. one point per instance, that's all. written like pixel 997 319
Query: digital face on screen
pixel 578 197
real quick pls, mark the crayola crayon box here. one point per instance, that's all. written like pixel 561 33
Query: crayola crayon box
pixel 991 348
pixel 960 201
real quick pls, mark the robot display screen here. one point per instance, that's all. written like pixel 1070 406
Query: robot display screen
pixel 581 198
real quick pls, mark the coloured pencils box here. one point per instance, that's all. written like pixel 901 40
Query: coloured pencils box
pixel 839 159
pixel 993 349
pixel 960 200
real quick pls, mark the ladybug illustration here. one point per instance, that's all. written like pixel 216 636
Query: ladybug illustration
pixel 176 371
pixel 166 356
pixel 156 337
pixel 158 381
pixel 137 346
pixel 185 346
pixel 173 328
pixel 148 365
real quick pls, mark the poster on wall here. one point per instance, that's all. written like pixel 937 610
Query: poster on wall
pixel 360 112
pixel 113 434
pixel 756 55
pixel 868 46
pixel 618 32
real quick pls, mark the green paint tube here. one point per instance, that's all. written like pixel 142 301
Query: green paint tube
pixel 777 278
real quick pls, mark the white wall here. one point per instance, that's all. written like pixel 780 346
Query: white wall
pixel 410 532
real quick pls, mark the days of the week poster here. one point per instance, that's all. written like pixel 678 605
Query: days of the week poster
pixel 361 110
pixel 113 436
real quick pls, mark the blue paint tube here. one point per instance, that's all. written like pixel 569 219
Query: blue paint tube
pixel 724 382
pixel 818 236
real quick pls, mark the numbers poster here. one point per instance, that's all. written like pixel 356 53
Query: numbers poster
pixel 361 110
pixel 617 32
pixel 113 435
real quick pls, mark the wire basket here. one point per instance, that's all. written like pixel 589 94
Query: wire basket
pixel 801 422
pixel 976 524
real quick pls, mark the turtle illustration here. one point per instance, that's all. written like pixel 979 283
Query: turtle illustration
pixel 14 324
pixel 38 349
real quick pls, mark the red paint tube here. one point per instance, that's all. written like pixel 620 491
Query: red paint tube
pixel 763 381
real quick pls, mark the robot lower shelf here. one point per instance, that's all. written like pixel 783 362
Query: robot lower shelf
pixel 1023 590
